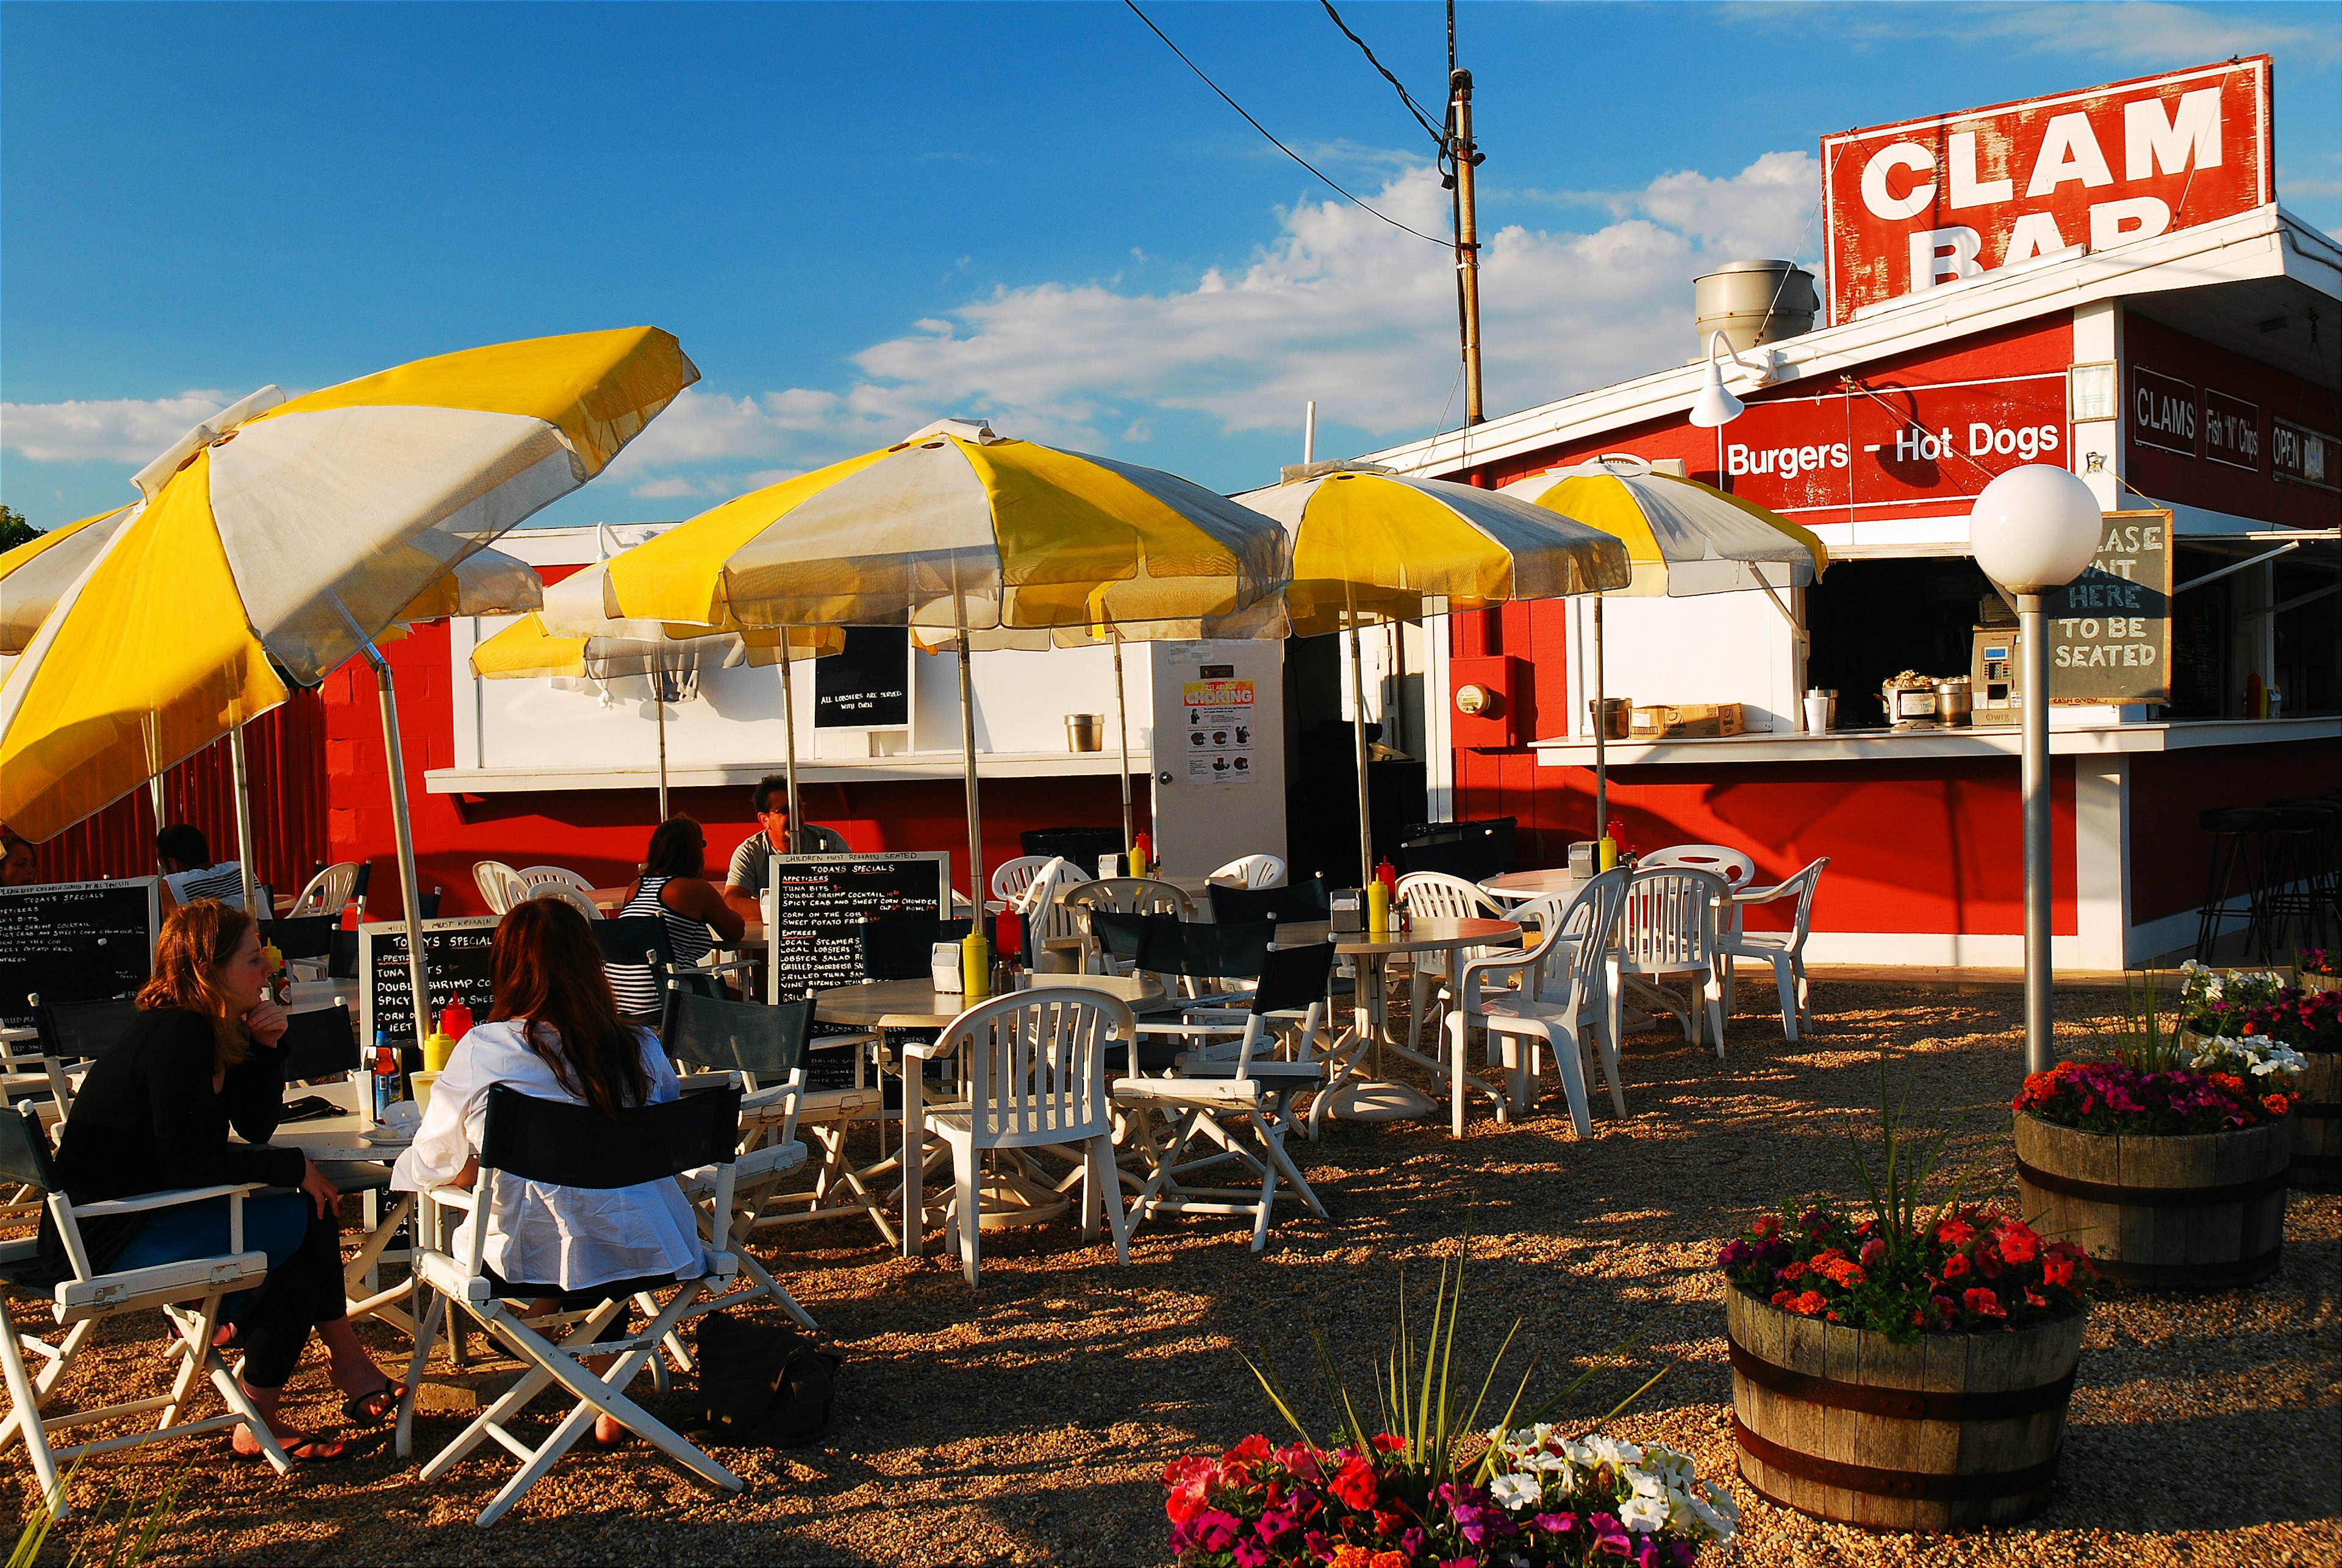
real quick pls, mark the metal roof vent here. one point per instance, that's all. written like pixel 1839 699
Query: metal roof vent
pixel 1754 303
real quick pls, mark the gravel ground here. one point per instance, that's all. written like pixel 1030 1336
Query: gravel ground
pixel 1026 1422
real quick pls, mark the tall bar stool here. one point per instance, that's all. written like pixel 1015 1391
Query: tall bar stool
pixel 2299 905
pixel 2240 846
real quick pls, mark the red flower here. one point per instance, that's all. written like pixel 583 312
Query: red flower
pixel 1956 1265
pixel 2017 1244
pixel 1355 1485
pixel 1385 1442
pixel 1794 1272
pixel 1984 1303
pixel 1988 1262
pixel 2059 1270
pixel 1807 1305
pixel 1187 1480
pixel 1766 1224
pixel 1954 1232
pixel 1251 1451
pixel 1872 1251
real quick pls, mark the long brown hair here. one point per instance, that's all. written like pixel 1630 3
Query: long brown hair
pixel 196 940
pixel 678 848
pixel 548 971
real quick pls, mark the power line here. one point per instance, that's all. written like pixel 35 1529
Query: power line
pixel 1263 130
pixel 1437 133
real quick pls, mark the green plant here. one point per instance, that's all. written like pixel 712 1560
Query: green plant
pixel 2139 1040
pixel 1908 1163
pixel 136 1528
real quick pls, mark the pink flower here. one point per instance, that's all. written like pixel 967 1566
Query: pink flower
pixel 1872 1251
pixel 1984 1303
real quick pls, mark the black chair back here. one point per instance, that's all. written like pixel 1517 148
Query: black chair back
pixel 905 949
pixel 628 939
pixel 1122 934
pixel 24 1151
pixel 1304 900
pixel 1294 978
pixel 72 1031
pixel 1169 945
pixel 568 1145
pixel 83 973
pixel 720 1036
pixel 342 956
pixel 302 935
pixel 1473 860
pixel 319 1044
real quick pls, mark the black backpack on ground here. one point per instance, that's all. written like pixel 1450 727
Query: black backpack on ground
pixel 762 1384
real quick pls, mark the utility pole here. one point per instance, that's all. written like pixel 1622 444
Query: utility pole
pixel 1468 239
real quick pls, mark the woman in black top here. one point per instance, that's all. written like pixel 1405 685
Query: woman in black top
pixel 154 1113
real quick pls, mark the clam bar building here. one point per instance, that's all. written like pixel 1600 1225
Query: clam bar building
pixel 2187 371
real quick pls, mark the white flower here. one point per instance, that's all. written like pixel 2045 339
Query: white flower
pixel 1720 1518
pixel 1515 1491
pixel 1603 1449
pixel 1665 1462
pixel 1644 1513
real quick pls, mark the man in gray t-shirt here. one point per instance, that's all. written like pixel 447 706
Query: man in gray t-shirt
pixel 752 863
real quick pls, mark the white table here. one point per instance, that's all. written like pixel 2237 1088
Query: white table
pixel 1520 886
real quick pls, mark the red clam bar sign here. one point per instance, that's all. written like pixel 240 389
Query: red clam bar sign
pixel 1928 202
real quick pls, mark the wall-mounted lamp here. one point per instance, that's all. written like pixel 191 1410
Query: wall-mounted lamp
pixel 1715 405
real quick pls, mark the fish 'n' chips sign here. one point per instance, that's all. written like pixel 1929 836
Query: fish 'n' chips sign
pixel 1928 202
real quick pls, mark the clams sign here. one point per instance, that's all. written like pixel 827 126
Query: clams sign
pixel 1924 202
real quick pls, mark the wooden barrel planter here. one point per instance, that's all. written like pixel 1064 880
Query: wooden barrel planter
pixel 1949 1431
pixel 2317 1126
pixel 2200 1212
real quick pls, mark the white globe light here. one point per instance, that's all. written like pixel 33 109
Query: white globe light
pixel 2035 528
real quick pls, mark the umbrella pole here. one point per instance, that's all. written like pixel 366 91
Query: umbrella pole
pixel 410 891
pixel 659 701
pixel 1359 740
pixel 975 888
pixel 1601 731
pixel 243 775
pixel 789 752
pixel 1122 723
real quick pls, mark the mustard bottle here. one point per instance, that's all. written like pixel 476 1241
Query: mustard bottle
pixel 1378 906
pixel 976 965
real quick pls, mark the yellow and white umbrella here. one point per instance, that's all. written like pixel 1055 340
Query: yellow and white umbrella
pixel 275 540
pixel 35 574
pixel 1370 546
pixel 957 531
pixel 570 638
pixel 1684 539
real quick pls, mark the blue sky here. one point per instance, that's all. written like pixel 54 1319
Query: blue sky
pixel 860 217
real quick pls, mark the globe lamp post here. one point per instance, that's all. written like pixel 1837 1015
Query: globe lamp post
pixel 2035 529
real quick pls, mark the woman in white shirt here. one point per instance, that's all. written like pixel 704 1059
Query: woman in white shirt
pixel 555 1034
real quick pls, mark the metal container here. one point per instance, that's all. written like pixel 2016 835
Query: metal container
pixel 1911 708
pixel 1755 302
pixel 1620 711
pixel 1955 707
pixel 1084 731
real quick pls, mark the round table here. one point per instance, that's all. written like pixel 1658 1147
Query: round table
pixel 1520 886
pixel 1374 1099
pixel 917 1004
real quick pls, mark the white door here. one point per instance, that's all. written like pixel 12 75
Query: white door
pixel 1219 753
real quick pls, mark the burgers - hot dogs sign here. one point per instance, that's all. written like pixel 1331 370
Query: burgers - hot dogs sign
pixel 1924 202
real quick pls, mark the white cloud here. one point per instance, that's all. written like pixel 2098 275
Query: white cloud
pixel 2149 33
pixel 110 429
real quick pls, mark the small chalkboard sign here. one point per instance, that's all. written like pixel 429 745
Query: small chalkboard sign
pixel 2110 628
pixel 458 955
pixel 820 901
pixel 867 684
pixel 75 941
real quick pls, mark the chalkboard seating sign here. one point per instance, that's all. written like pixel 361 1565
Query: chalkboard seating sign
pixel 2110 628
pixel 459 956
pixel 820 901
pixel 75 942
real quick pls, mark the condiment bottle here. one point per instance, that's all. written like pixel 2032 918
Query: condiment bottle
pixel 1142 855
pixel 1378 906
pixel 976 964
pixel 1606 851
pixel 385 1075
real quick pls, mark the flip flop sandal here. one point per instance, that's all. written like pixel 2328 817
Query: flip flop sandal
pixel 292 1447
pixel 360 1409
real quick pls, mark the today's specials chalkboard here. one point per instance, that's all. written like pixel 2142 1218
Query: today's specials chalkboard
pixel 866 685
pixel 88 939
pixel 822 900
pixel 2110 628
pixel 459 955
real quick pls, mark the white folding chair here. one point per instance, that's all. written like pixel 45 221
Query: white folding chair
pixel 1233 1094
pixel 500 885
pixel 1667 930
pixel 1010 878
pixel 1556 991
pixel 530 1139
pixel 561 892
pixel 1784 950
pixel 1250 870
pixel 1035 1079
pixel 1737 870
pixel 1435 896
pixel 328 890
pixel 188 1293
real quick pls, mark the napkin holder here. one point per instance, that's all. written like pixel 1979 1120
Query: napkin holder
pixel 950 977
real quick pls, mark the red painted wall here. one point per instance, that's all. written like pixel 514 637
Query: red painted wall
pixel 2198 480
pixel 601 833
pixel 2170 852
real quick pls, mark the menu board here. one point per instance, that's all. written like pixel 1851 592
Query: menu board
pixel 87 939
pixel 866 685
pixel 2110 628
pixel 458 958
pixel 821 901
pixel 1219 713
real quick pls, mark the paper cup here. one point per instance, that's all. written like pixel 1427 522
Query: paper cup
pixel 419 1086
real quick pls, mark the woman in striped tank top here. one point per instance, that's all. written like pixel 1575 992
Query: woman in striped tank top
pixel 673 888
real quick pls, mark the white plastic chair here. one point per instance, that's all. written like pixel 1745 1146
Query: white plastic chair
pixel 1047 920
pixel 188 1293
pixel 1010 878
pixel 328 890
pixel 1036 1065
pixel 1557 990
pixel 562 892
pixel 1250 870
pixel 1784 950
pixel 1737 870
pixel 500 885
pixel 537 876
pixel 1668 930
pixel 1435 896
